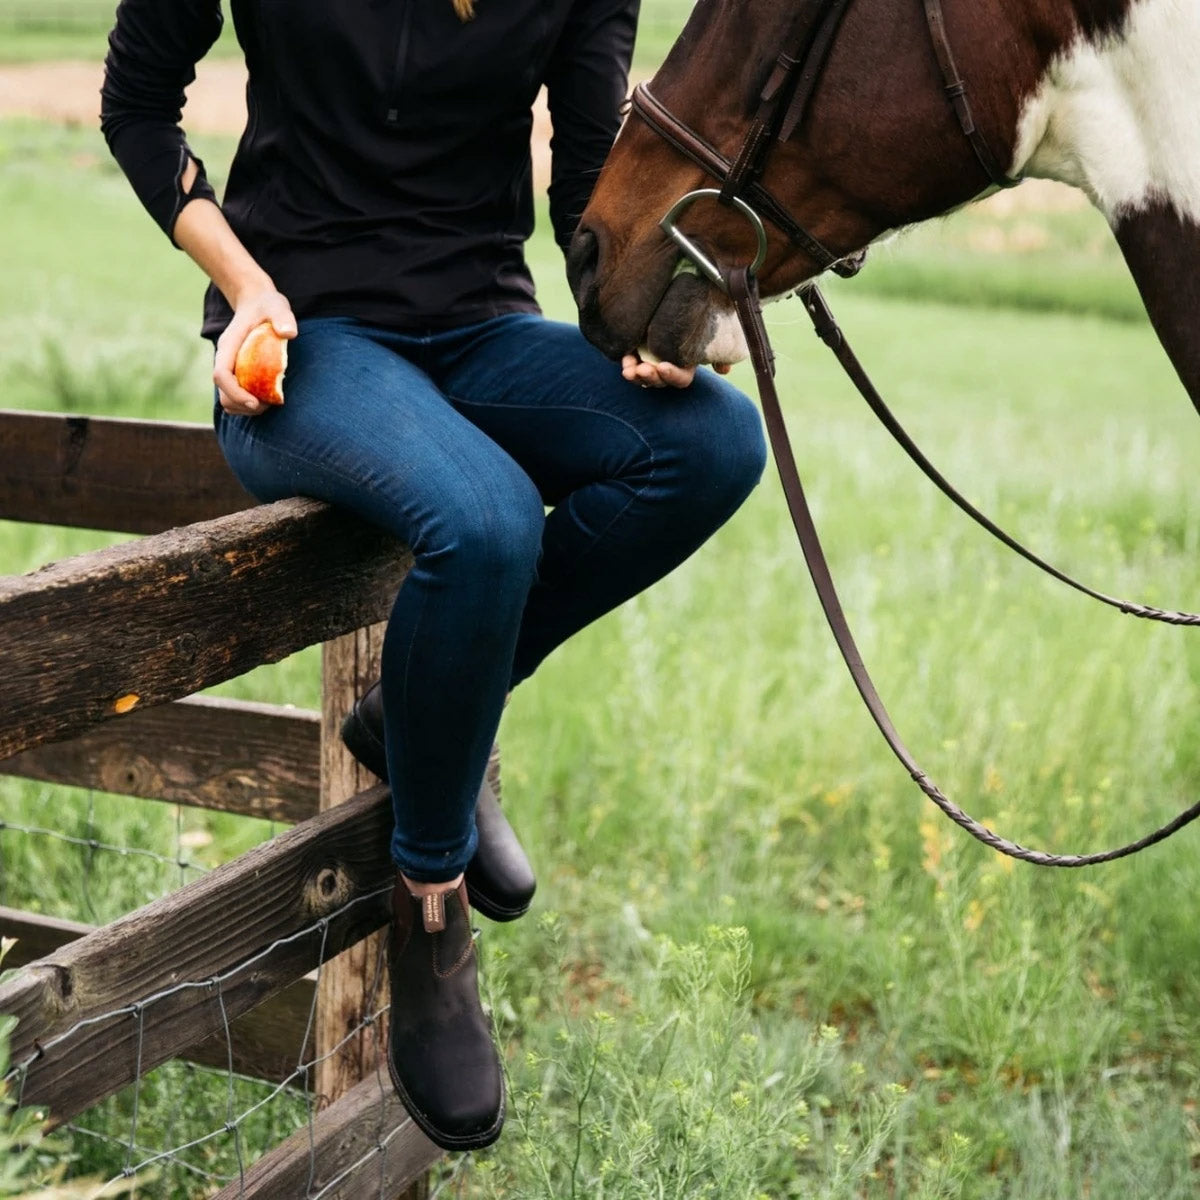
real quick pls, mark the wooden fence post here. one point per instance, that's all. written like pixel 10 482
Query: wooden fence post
pixel 355 981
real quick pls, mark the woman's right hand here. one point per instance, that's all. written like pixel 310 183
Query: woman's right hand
pixel 251 310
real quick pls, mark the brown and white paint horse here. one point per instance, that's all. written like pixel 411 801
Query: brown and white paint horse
pixel 1101 94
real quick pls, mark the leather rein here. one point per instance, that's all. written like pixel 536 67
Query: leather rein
pixel 783 102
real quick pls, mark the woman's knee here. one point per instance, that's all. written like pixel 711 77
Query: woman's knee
pixel 724 452
pixel 491 534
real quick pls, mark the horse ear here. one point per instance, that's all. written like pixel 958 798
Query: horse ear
pixel 465 9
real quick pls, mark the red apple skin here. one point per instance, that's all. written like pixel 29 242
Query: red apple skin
pixel 261 362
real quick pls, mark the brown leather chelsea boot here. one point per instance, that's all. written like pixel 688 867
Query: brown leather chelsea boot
pixel 441 1053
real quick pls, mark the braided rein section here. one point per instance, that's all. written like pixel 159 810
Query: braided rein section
pixel 1168 617
pixel 1041 858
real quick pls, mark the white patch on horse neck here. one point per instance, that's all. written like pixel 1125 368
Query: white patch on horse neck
pixel 1120 118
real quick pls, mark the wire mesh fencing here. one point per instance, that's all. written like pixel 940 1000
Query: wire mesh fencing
pixel 90 856
pixel 182 1131
pixel 186 1128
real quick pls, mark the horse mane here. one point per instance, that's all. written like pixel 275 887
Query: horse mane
pixel 465 9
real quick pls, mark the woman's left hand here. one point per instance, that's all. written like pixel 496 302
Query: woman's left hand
pixel 662 374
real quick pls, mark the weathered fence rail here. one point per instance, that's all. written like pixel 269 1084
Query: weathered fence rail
pixel 92 637
pixel 108 473
pixel 261 1043
pixel 100 654
pixel 294 892
pixel 367 1123
pixel 257 760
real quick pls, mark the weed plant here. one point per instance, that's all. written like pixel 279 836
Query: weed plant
pixel 676 1092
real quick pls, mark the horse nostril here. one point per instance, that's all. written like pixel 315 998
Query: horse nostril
pixel 583 255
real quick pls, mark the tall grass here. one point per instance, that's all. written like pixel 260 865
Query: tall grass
pixel 772 969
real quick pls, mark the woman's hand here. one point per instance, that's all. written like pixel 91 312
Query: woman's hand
pixel 662 374
pixel 251 310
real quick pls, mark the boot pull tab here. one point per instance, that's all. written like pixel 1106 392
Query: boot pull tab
pixel 433 912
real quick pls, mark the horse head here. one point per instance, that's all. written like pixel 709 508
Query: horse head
pixel 1101 94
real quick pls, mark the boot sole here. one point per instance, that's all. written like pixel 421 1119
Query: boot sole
pixel 447 1141
pixel 493 911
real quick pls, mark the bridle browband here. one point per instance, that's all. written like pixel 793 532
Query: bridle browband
pixel 782 105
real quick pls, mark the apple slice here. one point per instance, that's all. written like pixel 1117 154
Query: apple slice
pixel 261 362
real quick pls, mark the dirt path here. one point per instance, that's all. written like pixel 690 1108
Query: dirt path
pixel 69 92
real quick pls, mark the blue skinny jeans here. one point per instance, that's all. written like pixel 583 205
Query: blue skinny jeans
pixel 457 442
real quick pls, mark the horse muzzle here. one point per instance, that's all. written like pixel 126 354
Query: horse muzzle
pixel 583 260
pixel 666 307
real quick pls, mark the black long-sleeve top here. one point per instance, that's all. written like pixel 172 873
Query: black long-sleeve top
pixel 384 172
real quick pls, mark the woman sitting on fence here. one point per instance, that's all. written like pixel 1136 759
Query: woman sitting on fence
pixel 376 213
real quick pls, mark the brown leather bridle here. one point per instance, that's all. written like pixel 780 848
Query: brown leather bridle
pixel 782 104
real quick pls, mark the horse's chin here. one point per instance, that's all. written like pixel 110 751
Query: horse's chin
pixel 694 323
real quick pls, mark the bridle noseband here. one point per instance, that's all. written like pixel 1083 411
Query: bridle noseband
pixel 782 105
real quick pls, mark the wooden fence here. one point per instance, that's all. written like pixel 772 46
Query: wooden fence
pixel 100 655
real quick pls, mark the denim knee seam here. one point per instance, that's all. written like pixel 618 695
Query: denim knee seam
pixel 634 496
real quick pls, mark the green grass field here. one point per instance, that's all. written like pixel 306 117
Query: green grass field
pixel 759 964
